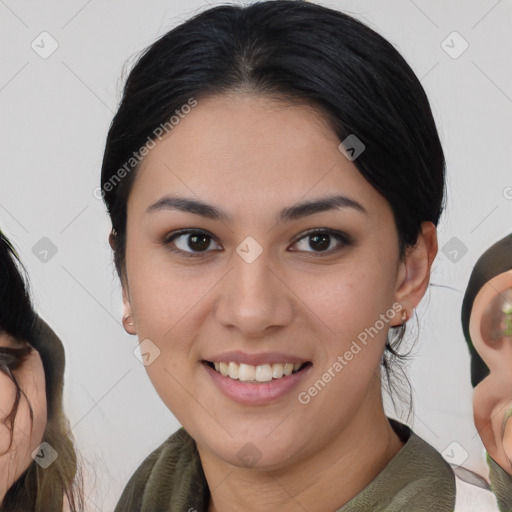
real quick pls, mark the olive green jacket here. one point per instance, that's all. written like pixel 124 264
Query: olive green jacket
pixel 417 479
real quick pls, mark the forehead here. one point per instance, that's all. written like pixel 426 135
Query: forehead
pixel 233 131
pixel 244 149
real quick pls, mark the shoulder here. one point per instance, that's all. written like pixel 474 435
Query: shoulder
pixel 501 484
pixel 452 488
pixel 416 478
pixel 470 492
pixel 131 498
pixel 169 476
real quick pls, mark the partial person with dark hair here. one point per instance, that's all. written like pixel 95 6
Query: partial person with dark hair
pixel 38 463
pixel 274 178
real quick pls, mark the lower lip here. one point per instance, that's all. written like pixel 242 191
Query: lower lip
pixel 260 393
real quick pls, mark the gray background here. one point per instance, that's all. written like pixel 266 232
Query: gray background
pixel 55 114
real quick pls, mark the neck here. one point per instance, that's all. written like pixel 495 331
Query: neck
pixel 337 472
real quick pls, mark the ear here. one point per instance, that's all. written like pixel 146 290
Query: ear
pixel 112 240
pixel 128 316
pixel 489 326
pixel 414 271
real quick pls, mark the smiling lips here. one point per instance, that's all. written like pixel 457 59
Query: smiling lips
pixel 256 379
pixel 250 373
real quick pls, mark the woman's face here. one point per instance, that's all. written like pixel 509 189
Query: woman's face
pixel 255 286
pixel 28 433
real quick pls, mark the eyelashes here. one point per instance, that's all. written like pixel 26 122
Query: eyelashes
pixel 196 237
pixel 319 237
pixel 198 243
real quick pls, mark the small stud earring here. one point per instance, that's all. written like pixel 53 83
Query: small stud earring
pixel 126 318
pixel 404 315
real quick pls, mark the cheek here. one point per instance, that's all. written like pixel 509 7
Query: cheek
pixel 40 422
pixel 348 300
pixel 37 397
pixel 167 303
pixel 160 293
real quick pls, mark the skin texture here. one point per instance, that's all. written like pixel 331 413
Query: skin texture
pixel 252 156
pixel 27 435
pixel 492 397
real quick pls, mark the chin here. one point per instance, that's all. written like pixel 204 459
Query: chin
pixel 259 451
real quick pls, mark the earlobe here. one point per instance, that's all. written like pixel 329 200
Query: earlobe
pixel 112 240
pixel 414 274
pixel 129 324
pixel 128 317
pixel 402 314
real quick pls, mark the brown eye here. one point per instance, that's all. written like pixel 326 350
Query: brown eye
pixel 191 242
pixel 323 241
pixel 198 242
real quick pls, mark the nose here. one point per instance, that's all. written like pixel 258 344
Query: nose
pixel 254 299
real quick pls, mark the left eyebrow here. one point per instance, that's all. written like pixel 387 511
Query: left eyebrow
pixel 319 205
pixel 288 214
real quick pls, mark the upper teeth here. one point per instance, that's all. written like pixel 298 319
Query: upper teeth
pixel 261 373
